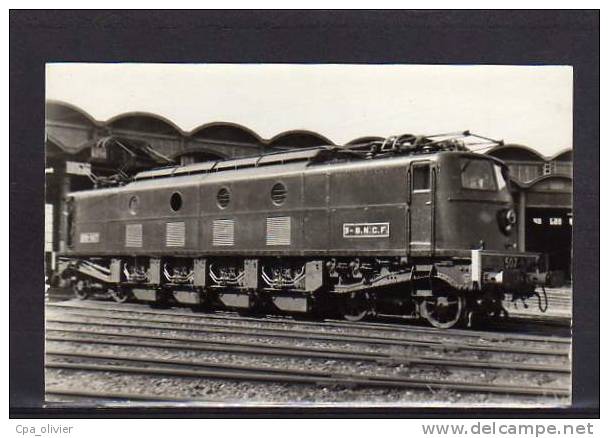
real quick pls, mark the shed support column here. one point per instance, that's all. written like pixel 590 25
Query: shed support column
pixel 64 189
pixel 522 220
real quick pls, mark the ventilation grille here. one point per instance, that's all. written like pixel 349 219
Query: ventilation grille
pixel 278 231
pixel 133 236
pixel 176 234
pixel 224 232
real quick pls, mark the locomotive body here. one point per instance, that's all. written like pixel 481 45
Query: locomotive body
pixel 425 233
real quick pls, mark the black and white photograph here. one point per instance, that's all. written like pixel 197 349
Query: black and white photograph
pixel 308 235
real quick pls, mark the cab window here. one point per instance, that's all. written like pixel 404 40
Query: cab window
pixel 478 175
pixel 501 182
pixel 420 177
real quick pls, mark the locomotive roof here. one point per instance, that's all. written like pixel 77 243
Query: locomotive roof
pixel 401 146
pixel 389 152
pixel 231 171
pixel 301 155
pixel 309 156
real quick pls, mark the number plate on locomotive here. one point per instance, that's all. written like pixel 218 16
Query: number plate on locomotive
pixel 377 229
pixel 511 262
pixel 89 237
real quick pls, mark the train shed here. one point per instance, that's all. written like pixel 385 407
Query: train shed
pixel 543 191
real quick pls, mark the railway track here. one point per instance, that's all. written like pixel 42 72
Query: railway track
pixel 375 327
pixel 63 394
pixel 182 368
pixel 127 329
pixel 202 328
pixel 174 342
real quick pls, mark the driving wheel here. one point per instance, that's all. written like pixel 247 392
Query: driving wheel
pixel 81 289
pixel 355 307
pixel 444 310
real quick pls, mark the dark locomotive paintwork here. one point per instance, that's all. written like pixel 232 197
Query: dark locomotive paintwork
pixel 320 199
pixel 426 234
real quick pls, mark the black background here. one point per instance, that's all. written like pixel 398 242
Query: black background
pixel 383 37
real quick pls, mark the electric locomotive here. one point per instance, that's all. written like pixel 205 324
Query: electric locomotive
pixel 419 227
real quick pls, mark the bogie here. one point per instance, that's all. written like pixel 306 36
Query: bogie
pixel 354 289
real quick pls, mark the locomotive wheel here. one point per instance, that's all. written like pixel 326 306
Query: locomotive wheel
pixel 119 295
pixel 81 289
pixel 445 310
pixel 355 307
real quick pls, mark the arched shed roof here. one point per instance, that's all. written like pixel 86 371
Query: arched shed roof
pixel 69 149
pixel 54 147
pixel 200 152
pixel 515 152
pixel 143 122
pixel 552 182
pixel 226 131
pixel 58 111
pixel 564 155
pixel 220 132
pixel 299 138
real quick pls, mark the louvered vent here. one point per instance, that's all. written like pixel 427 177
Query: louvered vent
pixel 223 232
pixel 175 234
pixel 279 193
pixel 278 231
pixel 223 197
pixel 133 236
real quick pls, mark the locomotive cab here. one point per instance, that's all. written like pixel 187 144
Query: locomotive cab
pixel 477 207
pixel 462 217
pixel 478 225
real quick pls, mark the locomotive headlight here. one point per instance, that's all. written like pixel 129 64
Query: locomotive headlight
pixel 507 220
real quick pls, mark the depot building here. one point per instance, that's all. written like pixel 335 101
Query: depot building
pixel 80 150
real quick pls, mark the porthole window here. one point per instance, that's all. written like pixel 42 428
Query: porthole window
pixel 175 201
pixel 279 193
pixel 133 204
pixel 223 197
